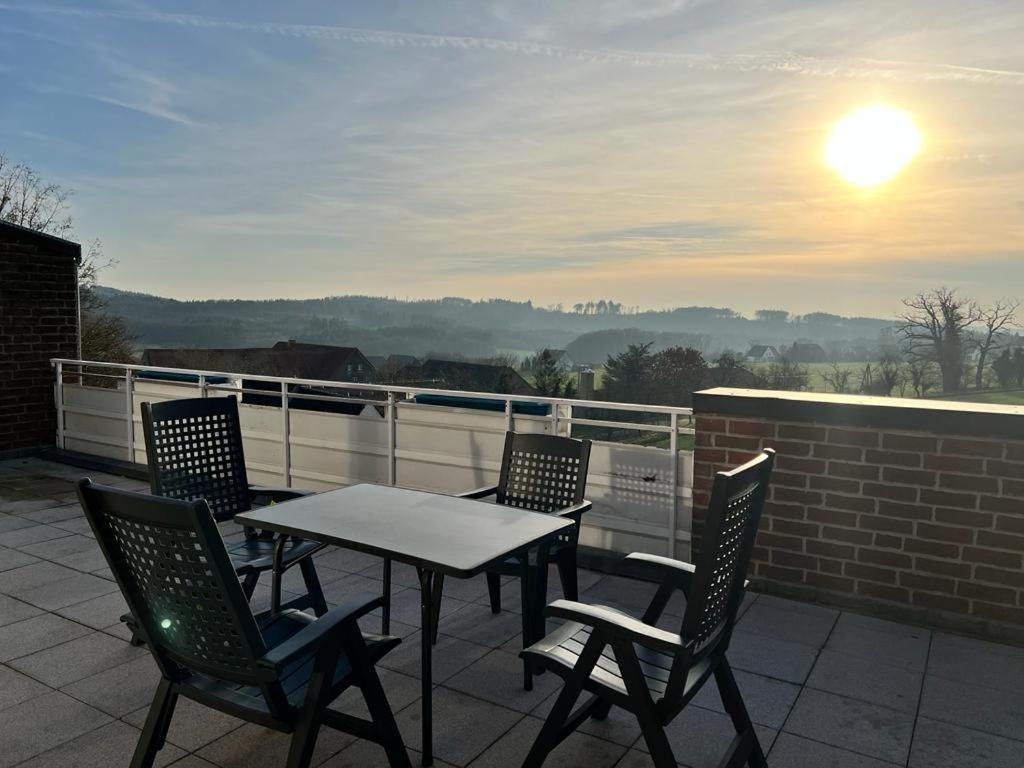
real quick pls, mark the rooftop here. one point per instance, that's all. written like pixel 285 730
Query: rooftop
pixel 825 687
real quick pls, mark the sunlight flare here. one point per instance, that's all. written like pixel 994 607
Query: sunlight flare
pixel 872 144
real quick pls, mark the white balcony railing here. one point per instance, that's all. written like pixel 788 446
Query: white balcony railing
pixel 641 493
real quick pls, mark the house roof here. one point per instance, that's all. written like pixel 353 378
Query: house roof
pixel 287 358
pixel 51 243
pixel 473 377
pixel 758 350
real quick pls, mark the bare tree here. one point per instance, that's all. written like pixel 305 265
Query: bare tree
pixel 935 327
pixel 26 200
pixel 994 320
pixel 837 377
pixel 920 374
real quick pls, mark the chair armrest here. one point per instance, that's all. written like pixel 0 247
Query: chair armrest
pixel 575 511
pixel 615 624
pixel 276 495
pixel 674 572
pixel 479 493
pixel 320 631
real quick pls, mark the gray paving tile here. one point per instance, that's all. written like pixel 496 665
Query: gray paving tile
pixel 44 722
pixel 985 709
pixel 30 535
pixel 578 749
pixel 771 657
pixel 977 662
pixel 768 701
pixel 19 580
pixel 119 690
pixel 57 548
pixel 60 594
pixel 786 620
pixel 401 691
pixel 88 561
pixel 634 758
pixel 98 613
pixel 355 584
pixel 109 746
pixel 498 678
pixel 193 725
pixel 450 657
pixel 853 725
pixel 873 681
pixel 13 558
pixel 795 752
pixel 12 610
pixel 864 637
pixel 55 514
pixel 365 754
pixel 477 624
pixel 75 525
pixel 13 522
pixel 76 659
pixel 941 744
pixel 191 761
pixel 405 606
pixel 699 737
pixel 463 726
pixel 252 746
pixel 37 633
pixel 16 687
pixel 619 726
pixel 347 560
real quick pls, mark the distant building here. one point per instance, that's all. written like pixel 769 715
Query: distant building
pixel 806 352
pixel 286 358
pixel 585 384
pixel 761 353
pixel 470 377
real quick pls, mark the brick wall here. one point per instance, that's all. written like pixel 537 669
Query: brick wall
pixel 913 507
pixel 38 320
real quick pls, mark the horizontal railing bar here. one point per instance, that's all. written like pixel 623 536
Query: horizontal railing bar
pixel 386 388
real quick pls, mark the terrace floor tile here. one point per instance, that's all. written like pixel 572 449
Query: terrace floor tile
pixel 578 749
pixel 873 681
pixel 940 744
pixel 991 710
pixel 37 633
pixel 76 659
pixel 109 746
pixel 498 678
pixel 44 722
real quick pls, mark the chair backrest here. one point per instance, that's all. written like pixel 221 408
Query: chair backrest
pixel 194 449
pixel 175 574
pixel 737 499
pixel 543 473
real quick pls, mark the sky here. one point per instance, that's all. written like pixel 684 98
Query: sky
pixel 654 152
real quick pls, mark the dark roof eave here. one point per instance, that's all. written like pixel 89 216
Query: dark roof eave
pixel 50 242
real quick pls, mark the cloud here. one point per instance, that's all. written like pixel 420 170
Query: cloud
pixel 781 62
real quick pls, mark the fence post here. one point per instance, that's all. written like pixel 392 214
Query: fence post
pixel 568 420
pixel 202 385
pixel 508 416
pixel 673 474
pixel 286 440
pixel 554 419
pixel 129 401
pixel 58 399
pixel 392 438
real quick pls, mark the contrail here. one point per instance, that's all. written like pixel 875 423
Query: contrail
pixel 771 62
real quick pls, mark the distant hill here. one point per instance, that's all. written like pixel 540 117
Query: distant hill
pixel 457 326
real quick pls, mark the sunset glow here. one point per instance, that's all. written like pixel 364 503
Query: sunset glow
pixel 871 145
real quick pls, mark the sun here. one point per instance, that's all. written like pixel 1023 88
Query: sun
pixel 872 144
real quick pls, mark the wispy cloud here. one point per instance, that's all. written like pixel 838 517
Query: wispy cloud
pixel 782 62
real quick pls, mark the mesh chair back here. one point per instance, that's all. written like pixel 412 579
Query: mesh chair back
pixel 734 513
pixel 176 576
pixel 543 473
pixel 194 448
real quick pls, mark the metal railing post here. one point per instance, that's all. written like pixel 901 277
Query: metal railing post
pixel 129 400
pixel 286 439
pixel 673 475
pixel 508 416
pixel 568 420
pixel 58 399
pixel 392 439
pixel 202 385
pixel 554 418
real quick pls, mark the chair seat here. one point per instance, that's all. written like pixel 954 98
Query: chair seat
pixel 561 649
pixel 256 553
pixel 295 677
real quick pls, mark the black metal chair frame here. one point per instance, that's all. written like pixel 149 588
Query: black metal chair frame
pixel 541 473
pixel 277 670
pixel 651 672
pixel 194 449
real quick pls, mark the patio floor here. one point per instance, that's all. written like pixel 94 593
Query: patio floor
pixel 825 687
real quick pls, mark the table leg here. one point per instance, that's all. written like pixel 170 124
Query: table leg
pixel 426 653
pixel 385 614
pixel 536 589
pixel 275 576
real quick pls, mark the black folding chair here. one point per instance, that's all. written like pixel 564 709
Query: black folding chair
pixel 541 473
pixel 278 670
pixel 194 449
pixel 651 672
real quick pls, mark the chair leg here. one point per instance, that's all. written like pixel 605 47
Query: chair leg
pixel 438 592
pixel 313 588
pixel 732 701
pixel 567 574
pixel 307 728
pixel 600 710
pixel 383 719
pixel 643 706
pixel 158 720
pixel 494 591
pixel 249 582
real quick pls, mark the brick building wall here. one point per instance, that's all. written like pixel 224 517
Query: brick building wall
pixel 912 507
pixel 38 321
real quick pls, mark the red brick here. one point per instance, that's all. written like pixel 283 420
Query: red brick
pixel 709 424
pixel 755 428
pixel 779 573
pixel 941 602
pixel 797 464
pixel 1001 540
pixel 854 471
pixel 848 535
pixel 796 496
pixel 969 483
pixel 954 464
pixel 851 503
pixel 886 558
pixel 893 458
pixel 830 549
pixel 740 443
pixel 908 476
pixel 888 540
pixel 791 448
pixel 933 548
pixel 1001 504
pixel 788 511
pixel 789 479
pixel 894 492
pixel 1014 452
pixel 964 517
pixel 870 572
pixel 1005 468
pixel 861 437
pixel 1010 523
pixel 905 511
pixel 801 432
pixel 949 499
pixel 945 533
pixel 992 557
pixel 795 528
pixel 952 568
pixel 972 447
pixel 987 592
pixel 886 524
pixel 777 541
pixel 999 576
pixel 884 592
pixel 927 583
pixel 917 443
pixel 794 560
pixel 842 485
pixel 840 452
pixel 833 583
pixel 998 612
pixel 832 517
pixel 1010 487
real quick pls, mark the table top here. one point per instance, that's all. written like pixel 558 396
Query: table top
pixel 460 537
